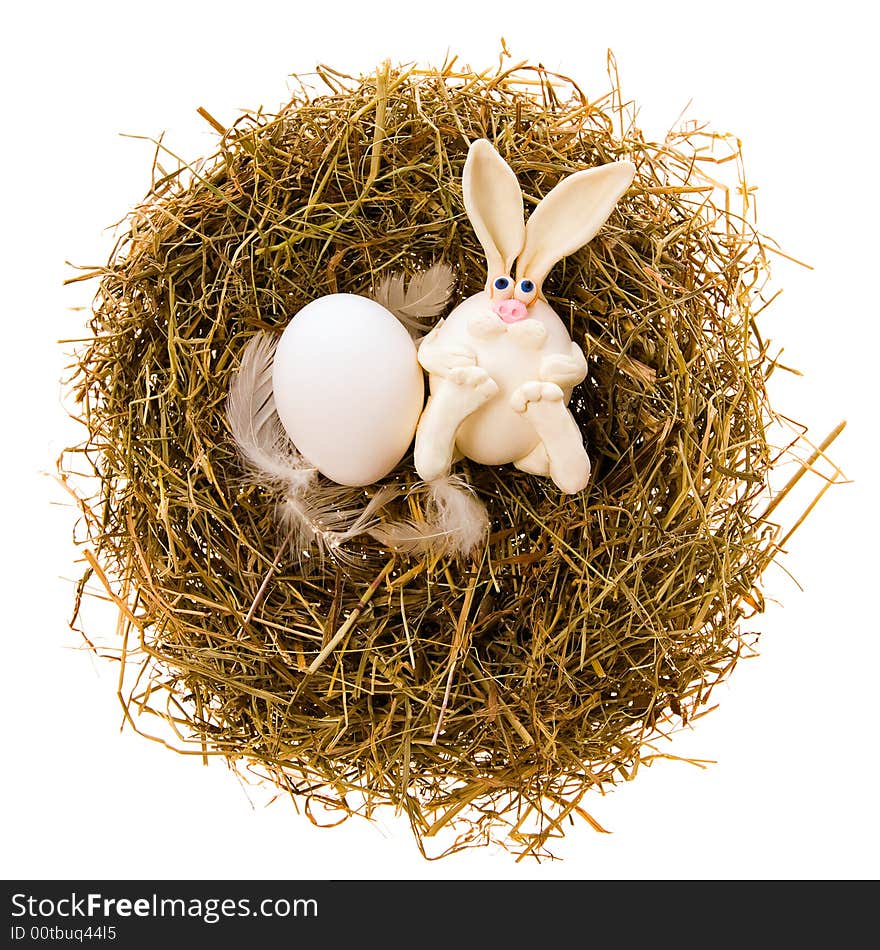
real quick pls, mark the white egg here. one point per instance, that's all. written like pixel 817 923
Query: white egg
pixel 348 387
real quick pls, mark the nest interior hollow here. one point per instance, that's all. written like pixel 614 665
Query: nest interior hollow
pixel 590 624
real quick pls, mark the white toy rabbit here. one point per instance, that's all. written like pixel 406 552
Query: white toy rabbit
pixel 502 365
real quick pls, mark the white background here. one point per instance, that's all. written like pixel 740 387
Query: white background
pixel 793 791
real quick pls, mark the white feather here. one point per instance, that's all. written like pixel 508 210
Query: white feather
pixel 325 517
pixel 422 299
pixel 254 423
pixel 456 522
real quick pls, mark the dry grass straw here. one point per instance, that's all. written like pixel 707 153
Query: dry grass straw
pixel 592 625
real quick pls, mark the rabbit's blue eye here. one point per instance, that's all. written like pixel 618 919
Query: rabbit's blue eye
pixel 502 283
pixel 526 286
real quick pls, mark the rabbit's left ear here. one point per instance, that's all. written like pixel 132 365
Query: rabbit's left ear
pixel 570 216
pixel 493 201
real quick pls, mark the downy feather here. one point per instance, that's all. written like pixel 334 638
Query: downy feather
pixel 456 522
pixel 423 298
pixel 326 516
pixel 250 410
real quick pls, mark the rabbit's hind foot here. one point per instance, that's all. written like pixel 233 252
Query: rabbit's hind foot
pixel 544 407
pixel 453 400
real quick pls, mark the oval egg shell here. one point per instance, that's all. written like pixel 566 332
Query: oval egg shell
pixel 348 387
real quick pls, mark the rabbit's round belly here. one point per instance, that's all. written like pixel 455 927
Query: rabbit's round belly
pixel 495 434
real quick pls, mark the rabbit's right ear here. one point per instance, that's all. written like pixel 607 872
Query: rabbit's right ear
pixel 570 215
pixel 493 201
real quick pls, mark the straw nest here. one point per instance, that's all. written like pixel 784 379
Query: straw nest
pixel 590 625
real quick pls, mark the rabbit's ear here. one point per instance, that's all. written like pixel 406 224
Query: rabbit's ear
pixel 569 217
pixel 493 201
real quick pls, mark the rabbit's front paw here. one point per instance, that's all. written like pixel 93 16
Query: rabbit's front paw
pixel 443 360
pixel 485 326
pixel 459 356
pixel 476 378
pixel 565 369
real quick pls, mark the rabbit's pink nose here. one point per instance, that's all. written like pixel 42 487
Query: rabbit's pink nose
pixel 510 310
